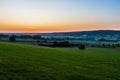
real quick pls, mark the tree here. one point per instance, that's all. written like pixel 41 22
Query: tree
pixel 113 46
pixel 103 45
pixel 12 38
pixel 82 47
pixel 1 35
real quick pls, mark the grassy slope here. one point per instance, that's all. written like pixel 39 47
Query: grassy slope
pixel 26 62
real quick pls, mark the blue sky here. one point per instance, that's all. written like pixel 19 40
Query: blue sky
pixel 75 14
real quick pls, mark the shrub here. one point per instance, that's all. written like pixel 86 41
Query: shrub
pixel 82 47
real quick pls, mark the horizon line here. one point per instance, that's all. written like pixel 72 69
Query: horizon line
pixel 60 31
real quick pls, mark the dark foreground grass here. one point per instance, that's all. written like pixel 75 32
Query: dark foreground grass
pixel 26 62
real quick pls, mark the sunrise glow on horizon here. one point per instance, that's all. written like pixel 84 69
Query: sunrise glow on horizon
pixel 59 15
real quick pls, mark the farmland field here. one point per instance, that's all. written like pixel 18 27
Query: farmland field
pixel 28 62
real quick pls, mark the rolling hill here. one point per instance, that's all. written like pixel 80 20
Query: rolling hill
pixel 27 62
pixel 112 35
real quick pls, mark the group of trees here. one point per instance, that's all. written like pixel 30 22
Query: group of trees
pixel 11 38
pixel 68 44
pixel 106 45
pixel 30 37
pixel 23 36
pixel 61 44
pixel 3 35
pixel 103 39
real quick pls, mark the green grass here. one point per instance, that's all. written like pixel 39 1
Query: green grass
pixel 21 42
pixel 27 62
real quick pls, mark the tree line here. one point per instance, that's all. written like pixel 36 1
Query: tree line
pixel 62 43
pixel 105 45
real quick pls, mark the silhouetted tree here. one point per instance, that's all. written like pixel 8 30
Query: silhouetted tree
pixel 103 45
pixel 82 47
pixel 12 38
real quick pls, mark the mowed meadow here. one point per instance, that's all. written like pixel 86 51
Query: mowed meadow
pixel 29 62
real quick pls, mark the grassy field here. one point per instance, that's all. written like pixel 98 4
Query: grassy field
pixel 27 62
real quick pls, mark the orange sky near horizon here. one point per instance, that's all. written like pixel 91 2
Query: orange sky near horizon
pixel 15 27
pixel 60 15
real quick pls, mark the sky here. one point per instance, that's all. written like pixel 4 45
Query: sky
pixel 59 15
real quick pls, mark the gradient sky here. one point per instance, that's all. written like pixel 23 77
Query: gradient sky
pixel 58 15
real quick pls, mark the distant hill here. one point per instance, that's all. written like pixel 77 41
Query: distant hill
pixel 113 35
pixel 89 35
